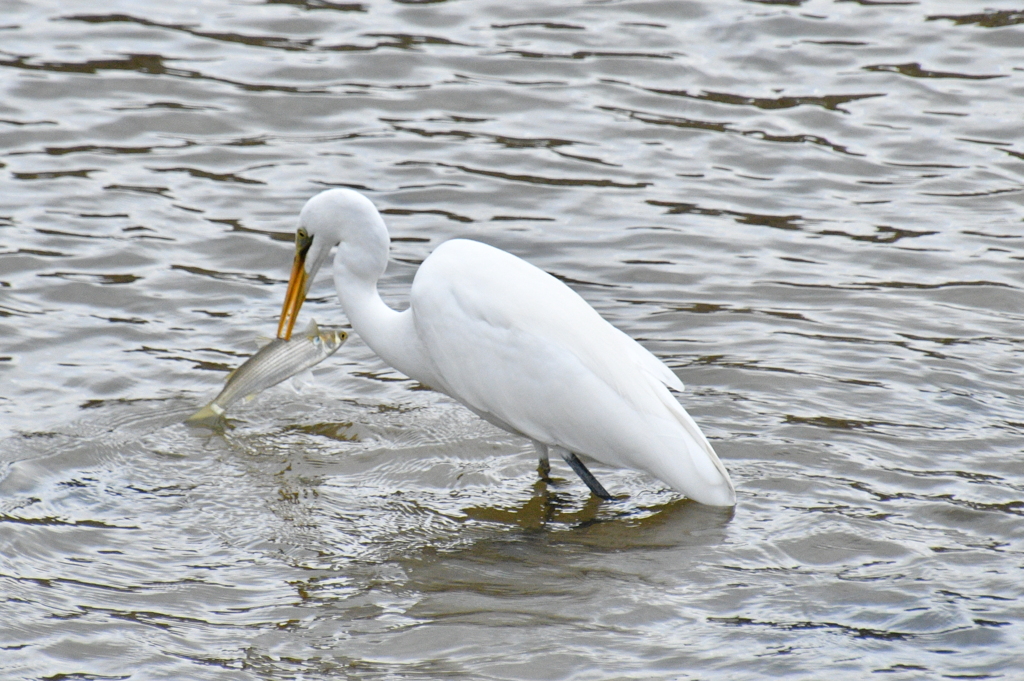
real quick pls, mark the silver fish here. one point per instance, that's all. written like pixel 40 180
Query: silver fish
pixel 276 361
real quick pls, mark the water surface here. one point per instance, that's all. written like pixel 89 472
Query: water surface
pixel 810 210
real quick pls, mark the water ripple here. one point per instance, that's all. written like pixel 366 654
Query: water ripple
pixel 914 70
pixel 809 211
pixel 714 126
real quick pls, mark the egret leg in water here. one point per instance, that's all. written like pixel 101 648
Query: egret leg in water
pixel 544 468
pixel 543 462
pixel 584 473
pixel 513 344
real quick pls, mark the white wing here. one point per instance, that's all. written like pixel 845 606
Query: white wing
pixel 523 350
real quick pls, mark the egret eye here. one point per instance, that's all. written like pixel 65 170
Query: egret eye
pixel 303 241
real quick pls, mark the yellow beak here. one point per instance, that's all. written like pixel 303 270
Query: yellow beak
pixel 298 286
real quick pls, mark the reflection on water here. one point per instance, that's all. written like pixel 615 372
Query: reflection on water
pixel 548 509
pixel 809 209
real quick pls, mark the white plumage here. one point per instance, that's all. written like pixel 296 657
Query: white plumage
pixel 513 344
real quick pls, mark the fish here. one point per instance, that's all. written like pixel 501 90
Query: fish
pixel 276 361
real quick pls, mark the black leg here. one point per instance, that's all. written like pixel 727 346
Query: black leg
pixel 585 475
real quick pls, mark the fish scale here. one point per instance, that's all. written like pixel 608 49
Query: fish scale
pixel 275 362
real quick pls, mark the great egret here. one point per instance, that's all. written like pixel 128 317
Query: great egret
pixel 513 344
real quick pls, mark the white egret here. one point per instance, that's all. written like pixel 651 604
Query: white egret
pixel 513 344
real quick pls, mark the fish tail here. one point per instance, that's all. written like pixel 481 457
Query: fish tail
pixel 207 416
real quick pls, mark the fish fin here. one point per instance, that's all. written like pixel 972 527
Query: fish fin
pixel 209 415
pixel 301 380
pixel 262 342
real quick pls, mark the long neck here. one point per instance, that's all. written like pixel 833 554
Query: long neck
pixel 390 334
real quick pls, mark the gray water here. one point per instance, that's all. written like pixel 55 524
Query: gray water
pixel 810 210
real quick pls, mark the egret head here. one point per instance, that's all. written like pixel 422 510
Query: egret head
pixel 331 218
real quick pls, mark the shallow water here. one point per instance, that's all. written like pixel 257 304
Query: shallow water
pixel 810 210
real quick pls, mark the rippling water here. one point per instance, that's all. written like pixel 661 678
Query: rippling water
pixel 811 210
